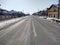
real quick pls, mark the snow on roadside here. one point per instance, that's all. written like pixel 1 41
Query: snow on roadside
pixel 53 18
pixel 8 22
pixel 41 17
pixel 49 18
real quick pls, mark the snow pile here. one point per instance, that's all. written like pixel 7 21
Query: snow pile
pixel 53 19
pixel 8 22
pixel 42 17
pixel 49 18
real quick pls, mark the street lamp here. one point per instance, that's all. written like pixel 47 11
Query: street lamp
pixel 58 8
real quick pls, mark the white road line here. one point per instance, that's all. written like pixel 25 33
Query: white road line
pixel 34 30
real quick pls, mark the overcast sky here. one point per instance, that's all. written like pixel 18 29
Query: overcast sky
pixel 27 6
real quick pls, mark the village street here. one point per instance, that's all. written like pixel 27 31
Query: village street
pixel 31 30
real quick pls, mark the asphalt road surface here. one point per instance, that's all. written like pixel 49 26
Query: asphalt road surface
pixel 32 30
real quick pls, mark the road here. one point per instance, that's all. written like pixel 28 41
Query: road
pixel 31 31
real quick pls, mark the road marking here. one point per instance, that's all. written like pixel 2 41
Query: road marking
pixel 34 30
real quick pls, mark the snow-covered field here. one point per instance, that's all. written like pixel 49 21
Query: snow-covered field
pixel 8 22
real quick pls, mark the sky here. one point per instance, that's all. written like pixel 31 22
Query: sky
pixel 27 6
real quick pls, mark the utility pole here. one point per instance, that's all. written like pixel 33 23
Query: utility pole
pixel 58 8
pixel 38 11
pixel 0 6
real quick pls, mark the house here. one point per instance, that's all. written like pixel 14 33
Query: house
pixel 53 11
pixel 44 13
pixel 4 14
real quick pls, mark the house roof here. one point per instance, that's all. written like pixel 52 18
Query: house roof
pixel 56 5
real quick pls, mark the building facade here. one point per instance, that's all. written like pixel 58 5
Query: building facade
pixel 53 11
